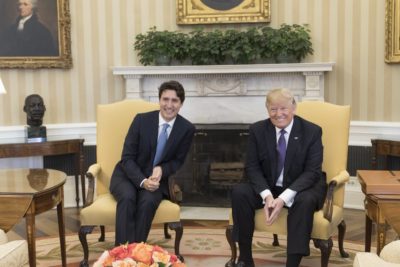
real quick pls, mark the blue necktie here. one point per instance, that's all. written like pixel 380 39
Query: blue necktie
pixel 162 140
pixel 281 151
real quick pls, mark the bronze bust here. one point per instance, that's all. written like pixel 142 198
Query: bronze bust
pixel 35 108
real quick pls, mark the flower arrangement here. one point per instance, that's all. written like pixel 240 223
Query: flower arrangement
pixel 138 255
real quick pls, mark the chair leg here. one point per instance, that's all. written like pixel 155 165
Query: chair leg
pixel 232 244
pixel 276 241
pixel 166 234
pixel 102 233
pixel 177 227
pixel 342 232
pixel 326 248
pixel 83 231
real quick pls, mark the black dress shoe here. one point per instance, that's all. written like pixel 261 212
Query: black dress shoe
pixel 244 264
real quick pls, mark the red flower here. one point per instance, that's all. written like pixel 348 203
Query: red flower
pixel 120 252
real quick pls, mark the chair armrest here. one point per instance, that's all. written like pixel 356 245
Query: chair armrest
pixel 175 192
pixel 342 178
pixel 91 175
pixel 338 180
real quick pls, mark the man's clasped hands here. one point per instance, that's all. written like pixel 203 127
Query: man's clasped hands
pixel 152 183
pixel 272 208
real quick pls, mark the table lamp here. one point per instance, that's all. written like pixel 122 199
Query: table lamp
pixel 2 89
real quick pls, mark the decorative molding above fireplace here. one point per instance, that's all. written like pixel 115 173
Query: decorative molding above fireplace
pixel 227 93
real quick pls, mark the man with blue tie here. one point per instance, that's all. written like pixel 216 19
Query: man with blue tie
pixel 155 147
pixel 284 168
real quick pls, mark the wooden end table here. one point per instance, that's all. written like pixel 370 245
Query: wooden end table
pixel 28 192
pixel 52 148
pixel 381 188
pixel 385 148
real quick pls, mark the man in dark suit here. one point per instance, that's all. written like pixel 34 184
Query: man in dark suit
pixel 284 167
pixel 155 148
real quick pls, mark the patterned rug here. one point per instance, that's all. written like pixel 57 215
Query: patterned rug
pixel 200 247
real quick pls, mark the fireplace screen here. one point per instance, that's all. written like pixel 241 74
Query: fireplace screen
pixel 214 164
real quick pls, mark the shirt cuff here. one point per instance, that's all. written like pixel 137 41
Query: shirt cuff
pixel 288 197
pixel 264 194
pixel 142 183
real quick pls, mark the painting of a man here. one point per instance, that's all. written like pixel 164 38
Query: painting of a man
pixel 27 36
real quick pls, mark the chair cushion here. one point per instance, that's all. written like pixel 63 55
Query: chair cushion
pixel 321 230
pixel 3 237
pixel 367 259
pixel 103 211
pixel 391 252
pixel 14 253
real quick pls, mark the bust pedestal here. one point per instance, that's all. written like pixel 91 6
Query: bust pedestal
pixel 35 134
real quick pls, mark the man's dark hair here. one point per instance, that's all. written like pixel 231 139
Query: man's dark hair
pixel 172 85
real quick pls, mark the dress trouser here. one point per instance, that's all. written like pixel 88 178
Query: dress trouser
pixel 299 221
pixel 135 212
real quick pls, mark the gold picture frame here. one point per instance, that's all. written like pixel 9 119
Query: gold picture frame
pixel 216 11
pixel 392 31
pixel 50 21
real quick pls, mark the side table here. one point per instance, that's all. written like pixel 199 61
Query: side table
pixel 27 193
pixel 391 212
pixel 52 148
pixel 380 189
pixel 384 147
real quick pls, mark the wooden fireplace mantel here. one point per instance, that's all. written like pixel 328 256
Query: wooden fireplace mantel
pixel 306 80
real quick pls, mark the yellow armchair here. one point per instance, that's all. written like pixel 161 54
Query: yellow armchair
pixel 335 123
pixel 113 121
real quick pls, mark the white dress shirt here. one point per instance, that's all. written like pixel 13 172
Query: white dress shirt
pixel 288 195
pixel 161 122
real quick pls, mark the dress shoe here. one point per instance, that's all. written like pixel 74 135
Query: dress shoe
pixel 244 264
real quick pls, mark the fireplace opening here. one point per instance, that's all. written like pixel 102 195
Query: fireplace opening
pixel 215 163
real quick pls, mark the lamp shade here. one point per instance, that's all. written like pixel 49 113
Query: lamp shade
pixel 2 89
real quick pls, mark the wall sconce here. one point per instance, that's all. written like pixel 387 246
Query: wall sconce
pixel 2 88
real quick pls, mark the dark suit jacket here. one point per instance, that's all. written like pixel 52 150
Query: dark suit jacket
pixel 303 162
pixel 140 145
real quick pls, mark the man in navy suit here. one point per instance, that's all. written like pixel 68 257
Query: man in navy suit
pixel 284 167
pixel 140 180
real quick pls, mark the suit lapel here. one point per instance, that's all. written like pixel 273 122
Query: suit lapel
pixel 293 145
pixel 270 136
pixel 154 135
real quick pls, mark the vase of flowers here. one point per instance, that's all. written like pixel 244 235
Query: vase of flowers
pixel 138 254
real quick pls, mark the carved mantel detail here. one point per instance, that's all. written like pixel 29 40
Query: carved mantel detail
pixel 224 86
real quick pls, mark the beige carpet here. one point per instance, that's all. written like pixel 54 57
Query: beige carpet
pixel 200 247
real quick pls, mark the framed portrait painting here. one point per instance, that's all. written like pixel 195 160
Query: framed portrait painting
pixel 222 11
pixel 35 34
pixel 392 31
